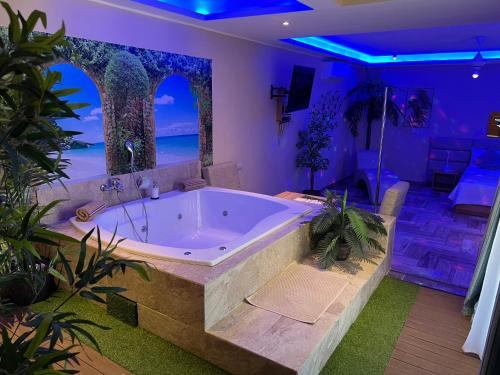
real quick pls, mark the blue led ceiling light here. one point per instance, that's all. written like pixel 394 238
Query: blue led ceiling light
pixel 325 45
pixel 217 9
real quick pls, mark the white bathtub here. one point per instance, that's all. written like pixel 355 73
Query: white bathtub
pixel 203 226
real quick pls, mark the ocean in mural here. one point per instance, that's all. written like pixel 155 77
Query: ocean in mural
pixel 91 161
pixel 175 115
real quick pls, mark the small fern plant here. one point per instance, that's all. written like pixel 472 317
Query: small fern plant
pixel 341 229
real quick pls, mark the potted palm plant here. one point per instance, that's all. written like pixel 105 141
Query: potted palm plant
pixel 340 230
pixel 367 100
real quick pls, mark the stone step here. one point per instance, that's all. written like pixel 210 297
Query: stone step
pixel 297 347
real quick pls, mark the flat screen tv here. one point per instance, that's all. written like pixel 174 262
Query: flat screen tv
pixel 300 88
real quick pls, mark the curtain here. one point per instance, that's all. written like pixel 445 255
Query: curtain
pixel 477 280
pixel 484 285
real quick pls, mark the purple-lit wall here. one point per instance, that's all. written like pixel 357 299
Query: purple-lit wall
pixel 244 129
pixel 339 77
pixel 461 109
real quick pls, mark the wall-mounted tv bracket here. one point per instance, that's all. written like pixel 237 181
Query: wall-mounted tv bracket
pixel 279 94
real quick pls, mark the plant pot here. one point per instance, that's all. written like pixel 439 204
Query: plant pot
pixel 343 253
pixel 312 192
pixel 20 293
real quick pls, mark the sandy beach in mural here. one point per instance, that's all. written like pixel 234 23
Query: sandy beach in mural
pixel 88 162
pixel 84 166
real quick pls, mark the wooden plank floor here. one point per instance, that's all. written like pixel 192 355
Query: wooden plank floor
pixel 90 361
pixel 93 363
pixel 432 337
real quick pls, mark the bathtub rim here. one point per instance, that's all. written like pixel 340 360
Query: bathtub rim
pixel 154 251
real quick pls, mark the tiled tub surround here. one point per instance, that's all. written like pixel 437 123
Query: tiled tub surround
pixel 77 193
pixel 203 226
pixel 200 295
pixel 202 308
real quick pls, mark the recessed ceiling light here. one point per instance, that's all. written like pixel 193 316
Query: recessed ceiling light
pixel 286 23
pixel 394 57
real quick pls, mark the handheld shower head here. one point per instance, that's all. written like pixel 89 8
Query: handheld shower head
pixel 129 146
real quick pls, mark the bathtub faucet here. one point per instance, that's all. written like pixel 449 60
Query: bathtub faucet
pixel 113 184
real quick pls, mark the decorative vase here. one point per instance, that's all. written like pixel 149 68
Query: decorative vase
pixel 344 252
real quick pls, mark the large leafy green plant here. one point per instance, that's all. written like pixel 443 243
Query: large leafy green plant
pixel 341 229
pixel 30 139
pixel 31 155
pixel 21 266
pixel 31 342
pixel 367 100
pixel 316 137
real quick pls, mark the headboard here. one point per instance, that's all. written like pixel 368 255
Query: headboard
pixel 456 152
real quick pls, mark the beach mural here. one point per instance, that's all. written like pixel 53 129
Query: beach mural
pixel 86 151
pixel 160 101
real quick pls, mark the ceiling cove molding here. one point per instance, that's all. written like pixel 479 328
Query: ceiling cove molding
pixel 140 12
pixel 327 46
pixel 215 10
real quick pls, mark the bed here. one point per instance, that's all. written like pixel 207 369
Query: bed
pixel 475 191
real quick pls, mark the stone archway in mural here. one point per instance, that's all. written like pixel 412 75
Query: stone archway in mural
pixel 127 79
pixel 129 113
pixel 177 125
pixel 200 82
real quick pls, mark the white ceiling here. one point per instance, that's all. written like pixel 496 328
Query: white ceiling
pixel 438 17
pixel 448 38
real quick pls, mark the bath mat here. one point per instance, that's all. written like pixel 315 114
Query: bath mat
pixel 301 292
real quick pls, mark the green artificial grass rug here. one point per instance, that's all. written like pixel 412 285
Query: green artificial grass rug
pixel 135 349
pixel 366 349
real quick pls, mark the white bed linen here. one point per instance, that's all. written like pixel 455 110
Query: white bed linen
pixel 476 186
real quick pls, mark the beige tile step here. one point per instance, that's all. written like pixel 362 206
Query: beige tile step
pixel 250 340
pixel 296 347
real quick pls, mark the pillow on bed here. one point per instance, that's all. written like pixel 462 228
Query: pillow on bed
pixel 485 159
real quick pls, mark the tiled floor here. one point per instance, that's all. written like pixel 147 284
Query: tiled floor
pixel 434 247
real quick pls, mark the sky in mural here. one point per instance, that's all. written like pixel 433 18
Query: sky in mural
pixel 176 110
pixel 176 120
pixel 90 123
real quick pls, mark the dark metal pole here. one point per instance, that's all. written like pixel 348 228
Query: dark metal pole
pixel 379 168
